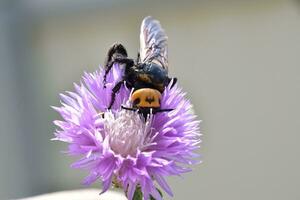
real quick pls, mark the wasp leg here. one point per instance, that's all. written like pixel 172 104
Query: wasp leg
pixel 138 59
pixel 174 81
pixel 114 91
pixel 127 61
pixel 116 51
pixel 101 114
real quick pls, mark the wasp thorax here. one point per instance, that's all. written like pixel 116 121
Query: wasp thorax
pixel 146 98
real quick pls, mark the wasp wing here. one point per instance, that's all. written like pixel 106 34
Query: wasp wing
pixel 153 43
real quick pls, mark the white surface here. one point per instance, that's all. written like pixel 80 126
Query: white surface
pixel 84 194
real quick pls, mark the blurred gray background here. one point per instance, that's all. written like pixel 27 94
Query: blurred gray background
pixel 238 61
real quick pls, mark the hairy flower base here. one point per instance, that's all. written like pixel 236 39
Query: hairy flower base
pixel 120 143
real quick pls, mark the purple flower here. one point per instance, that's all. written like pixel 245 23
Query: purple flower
pixel 120 145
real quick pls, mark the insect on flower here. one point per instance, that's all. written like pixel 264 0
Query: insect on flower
pixel 120 147
pixel 148 75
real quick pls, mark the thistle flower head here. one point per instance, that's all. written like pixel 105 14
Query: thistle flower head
pixel 120 144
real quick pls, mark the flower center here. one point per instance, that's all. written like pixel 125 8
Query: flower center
pixel 127 131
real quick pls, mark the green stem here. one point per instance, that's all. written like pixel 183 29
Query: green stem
pixel 138 194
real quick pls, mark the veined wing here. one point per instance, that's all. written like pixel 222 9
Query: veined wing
pixel 153 43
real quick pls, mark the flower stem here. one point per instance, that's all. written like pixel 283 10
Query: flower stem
pixel 138 195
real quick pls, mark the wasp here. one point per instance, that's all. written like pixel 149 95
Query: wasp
pixel 148 74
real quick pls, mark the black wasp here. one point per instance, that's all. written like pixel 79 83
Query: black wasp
pixel 148 74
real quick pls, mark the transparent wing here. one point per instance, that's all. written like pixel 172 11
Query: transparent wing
pixel 153 43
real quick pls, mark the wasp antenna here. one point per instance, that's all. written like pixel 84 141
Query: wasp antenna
pixel 164 110
pixel 126 108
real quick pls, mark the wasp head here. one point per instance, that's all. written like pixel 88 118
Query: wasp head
pixel 146 101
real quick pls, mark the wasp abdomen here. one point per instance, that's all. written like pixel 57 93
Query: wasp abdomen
pixel 146 98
